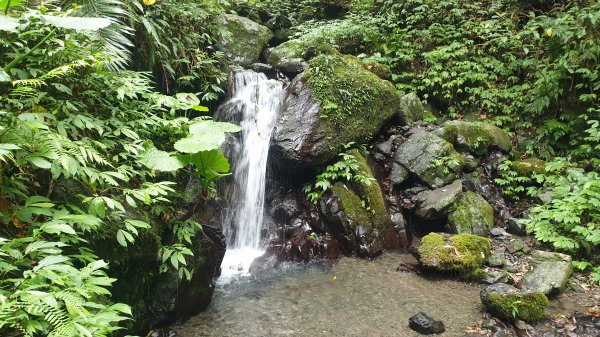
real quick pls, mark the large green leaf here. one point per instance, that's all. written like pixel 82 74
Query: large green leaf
pixel 8 23
pixel 208 161
pixel 77 23
pixel 13 3
pixel 206 140
pixel 156 159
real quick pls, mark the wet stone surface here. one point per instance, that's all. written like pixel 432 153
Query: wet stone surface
pixel 354 297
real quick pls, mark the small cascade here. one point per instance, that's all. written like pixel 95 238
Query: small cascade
pixel 255 105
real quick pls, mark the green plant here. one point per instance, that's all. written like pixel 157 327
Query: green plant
pixel 347 168
pixel 515 185
pixel 445 163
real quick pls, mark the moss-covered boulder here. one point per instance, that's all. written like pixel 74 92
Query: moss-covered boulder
pixel 509 303
pixel 528 167
pixel 471 214
pixel 334 102
pixel 241 39
pixel 430 158
pixel 357 216
pixel 412 110
pixel 462 254
pixel 476 138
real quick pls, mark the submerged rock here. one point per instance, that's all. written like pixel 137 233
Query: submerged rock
pixel 242 39
pixel 425 325
pixel 463 254
pixel 429 157
pixel 334 102
pixel 435 204
pixel 509 303
pixel 477 138
pixel 550 273
pixel 471 214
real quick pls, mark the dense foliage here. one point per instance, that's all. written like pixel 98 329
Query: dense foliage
pixel 88 149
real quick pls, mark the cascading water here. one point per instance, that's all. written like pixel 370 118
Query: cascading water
pixel 256 102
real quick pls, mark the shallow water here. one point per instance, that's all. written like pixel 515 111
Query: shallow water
pixel 353 297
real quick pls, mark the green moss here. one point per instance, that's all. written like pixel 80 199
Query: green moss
pixel 355 103
pixel 527 167
pixel 463 254
pixel 372 193
pixel 529 307
pixel 383 71
pixel 352 205
pixel 476 138
pixel 471 214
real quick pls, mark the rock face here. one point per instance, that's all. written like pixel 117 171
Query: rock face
pixel 476 138
pixel 434 204
pixel 471 214
pixel 360 230
pixel 463 254
pixel 244 39
pixel 425 325
pixel 161 298
pixel 334 102
pixel 509 303
pixel 550 274
pixel 429 157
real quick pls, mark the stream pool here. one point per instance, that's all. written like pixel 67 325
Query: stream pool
pixel 349 297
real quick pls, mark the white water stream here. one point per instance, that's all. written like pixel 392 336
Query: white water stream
pixel 256 102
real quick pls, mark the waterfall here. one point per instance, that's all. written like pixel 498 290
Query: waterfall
pixel 255 104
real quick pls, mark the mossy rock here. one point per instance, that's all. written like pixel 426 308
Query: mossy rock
pixel 528 167
pixel 509 303
pixel 462 254
pixel 383 71
pixel 477 138
pixel 471 214
pixel 412 109
pixel 242 39
pixel 336 101
pixel 429 157
pixel 357 215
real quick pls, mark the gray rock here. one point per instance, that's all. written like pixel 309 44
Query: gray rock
pixel 471 163
pixel 429 157
pixel 425 325
pixel 550 273
pixel 435 204
pixel 411 109
pixel 515 227
pixel 242 40
pixel 499 232
pixel 497 259
pixel 509 303
pixel 495 277
pixel 385 147
pixel 292 66
pixel 398 174
pixel 471 214
pixel 516 246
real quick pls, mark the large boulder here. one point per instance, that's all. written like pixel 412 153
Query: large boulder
pixel 477 138
pixel 550 273
pixel 336 101
pixel 471 214
pixel 509 303
pixel 429 157
pixel 462 254
pixel 159 298
pixel 435 204
pixel 242 40
pixel 356 215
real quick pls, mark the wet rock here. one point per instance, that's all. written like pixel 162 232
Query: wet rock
pixel 411 109
pixel 509 303
pixel 495 277
pixel 292 66
pixel 399 223
pixel 429 157
pixel 166 332
pixel 245 39
pixel 516 246
pixel 471 214
pixel 425 325
pixel 264 263
pixel 285 209
pixel 471 163
pixel 515 227
pixel 359 230
pixel 385 147
pixel 477 138
pixel 398 174
pixel 435 204
pixel 314 123
pixel 265 69
pixel 463 254
pixel 550 273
